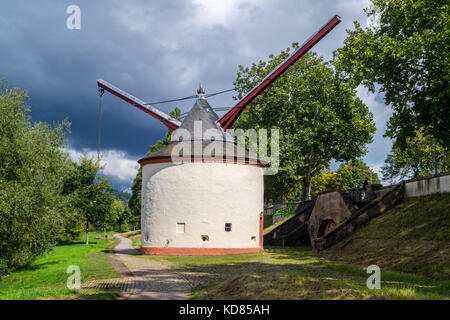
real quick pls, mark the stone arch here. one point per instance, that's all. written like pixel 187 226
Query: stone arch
pixel 325 227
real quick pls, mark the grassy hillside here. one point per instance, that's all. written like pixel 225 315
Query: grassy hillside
pixel 295 273
pixel 413 237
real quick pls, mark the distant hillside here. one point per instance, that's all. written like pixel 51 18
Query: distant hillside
pixel 121 195
pixel 412 237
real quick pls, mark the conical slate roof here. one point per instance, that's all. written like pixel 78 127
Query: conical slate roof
pixel 201 138
pixel 201 111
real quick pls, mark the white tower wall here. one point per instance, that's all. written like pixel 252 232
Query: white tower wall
pixel 203 197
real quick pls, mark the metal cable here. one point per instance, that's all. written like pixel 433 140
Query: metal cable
pixel 172 100
pixel 220 92
pixel 101 91
pixel 196 96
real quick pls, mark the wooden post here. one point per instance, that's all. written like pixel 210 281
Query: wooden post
pixel 87 232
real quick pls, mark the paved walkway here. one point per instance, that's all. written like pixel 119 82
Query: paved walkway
pixel 151 279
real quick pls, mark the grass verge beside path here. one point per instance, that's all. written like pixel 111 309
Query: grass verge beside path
pixel 46 277
pixel 296 273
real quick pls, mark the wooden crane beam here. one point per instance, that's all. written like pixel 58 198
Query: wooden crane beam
pixel 231 116
pixel 171 123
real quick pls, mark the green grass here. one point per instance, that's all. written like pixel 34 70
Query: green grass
pixel 297 273
pixel 46 277
pixel 419 218
pixel 412 237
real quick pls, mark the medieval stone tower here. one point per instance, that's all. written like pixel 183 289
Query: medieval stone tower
pixel 206 200
pixel 202 194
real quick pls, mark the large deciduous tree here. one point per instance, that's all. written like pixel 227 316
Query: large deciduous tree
pixel 353 174
pixel 319 117
pixel 33 211
pixel 89 193
pixel 406 51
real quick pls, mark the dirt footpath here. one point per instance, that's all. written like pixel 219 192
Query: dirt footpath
pixel 151 280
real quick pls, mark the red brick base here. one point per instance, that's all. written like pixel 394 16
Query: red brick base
pixel 172 251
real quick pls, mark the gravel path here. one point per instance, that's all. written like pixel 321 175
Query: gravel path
pixel 152 280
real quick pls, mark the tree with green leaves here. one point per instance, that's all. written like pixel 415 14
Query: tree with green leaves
pixel 406 52
pixel 89 193
pixel 319 116
pixel 33 166
pixel 323 181
pixel 111 220
pixel 126 219
pixel 416 159
pixel 135 200
pixel 353 174
pixel 348 176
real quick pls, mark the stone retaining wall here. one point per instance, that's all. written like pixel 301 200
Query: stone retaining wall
pixel 371 210
pixel 427 185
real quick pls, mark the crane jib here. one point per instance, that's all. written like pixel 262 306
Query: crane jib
pixel 229 118
pixel 169 122
pixel 233 114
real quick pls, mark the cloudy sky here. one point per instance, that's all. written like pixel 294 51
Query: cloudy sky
pixel 155 50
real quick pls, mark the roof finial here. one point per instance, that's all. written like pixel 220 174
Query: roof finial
pixel 201 90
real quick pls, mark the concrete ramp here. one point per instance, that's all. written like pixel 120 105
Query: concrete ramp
pixel 331 217
pixel 345 219
pixel 293 231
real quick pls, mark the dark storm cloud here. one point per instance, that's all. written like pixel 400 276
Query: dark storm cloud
pixel 59 68
pixel 153 49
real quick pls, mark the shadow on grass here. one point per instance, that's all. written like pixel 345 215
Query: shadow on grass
pixel 105 294
pixel 34 266
pixel 294 273
pixel 68 243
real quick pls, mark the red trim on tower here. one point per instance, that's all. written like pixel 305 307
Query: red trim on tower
pixel 201 160
pixel 261 231
pixel 173 251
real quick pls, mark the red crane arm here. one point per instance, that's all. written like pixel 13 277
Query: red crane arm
pixel 231 116
pixel 167 120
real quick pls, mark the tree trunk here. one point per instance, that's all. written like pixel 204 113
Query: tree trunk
pixel 87 232
pixel 306 192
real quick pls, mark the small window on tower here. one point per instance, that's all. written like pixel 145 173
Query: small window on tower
pixel 227 227
pixel 181 227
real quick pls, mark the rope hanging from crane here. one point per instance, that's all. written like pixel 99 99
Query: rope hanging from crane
pixel 101 91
